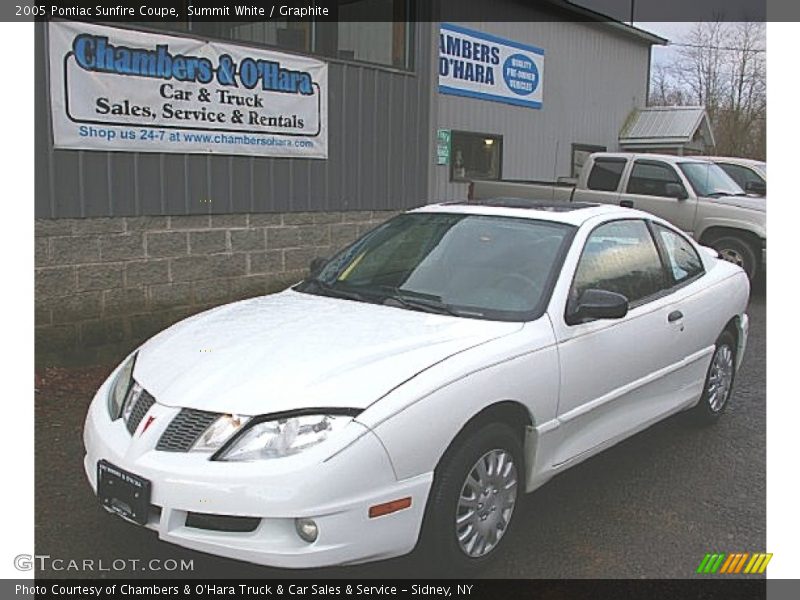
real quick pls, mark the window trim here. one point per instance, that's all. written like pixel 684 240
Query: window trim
pixel 631 305
pixel 654 163
pixel 608 159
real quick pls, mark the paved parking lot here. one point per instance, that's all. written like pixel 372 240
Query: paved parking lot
pixel 651 506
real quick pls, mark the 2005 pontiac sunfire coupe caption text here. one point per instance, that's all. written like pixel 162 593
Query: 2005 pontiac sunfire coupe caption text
pixel 416 384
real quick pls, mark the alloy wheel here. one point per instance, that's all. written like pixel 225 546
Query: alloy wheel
pixel 486 503
pixel 720 378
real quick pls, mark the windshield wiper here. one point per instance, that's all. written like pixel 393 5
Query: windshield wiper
pixel 332 290
pixel 425 303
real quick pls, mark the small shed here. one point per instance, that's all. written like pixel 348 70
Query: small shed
pixel 680 130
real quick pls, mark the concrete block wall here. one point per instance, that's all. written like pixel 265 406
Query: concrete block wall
pixel 104 285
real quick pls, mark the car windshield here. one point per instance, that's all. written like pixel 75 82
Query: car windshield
pixel 477 266
pixel 708 179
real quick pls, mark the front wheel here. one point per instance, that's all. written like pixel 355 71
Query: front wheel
pixel 473 499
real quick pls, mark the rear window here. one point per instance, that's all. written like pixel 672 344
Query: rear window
pixel 605 174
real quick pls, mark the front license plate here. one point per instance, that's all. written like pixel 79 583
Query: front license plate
pixel 123 493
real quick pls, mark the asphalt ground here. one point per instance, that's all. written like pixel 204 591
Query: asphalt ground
pixel 651 506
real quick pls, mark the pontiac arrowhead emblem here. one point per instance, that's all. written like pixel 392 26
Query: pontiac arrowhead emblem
pixel 147 424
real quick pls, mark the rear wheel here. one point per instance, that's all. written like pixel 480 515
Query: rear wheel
pixel 718 386
pixel 472 503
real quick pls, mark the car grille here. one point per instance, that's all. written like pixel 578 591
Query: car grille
pixel 185 429
pixel 222 522
pixel 143 403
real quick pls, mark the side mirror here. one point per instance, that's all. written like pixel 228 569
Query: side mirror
pixel 758 188
pixel 317 265
pixel 598 304
pixel 675 190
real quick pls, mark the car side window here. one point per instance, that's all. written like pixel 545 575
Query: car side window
pixel 620 257
pixel 605 174
pixel 741 175
pixel 682 259
pixel 650 178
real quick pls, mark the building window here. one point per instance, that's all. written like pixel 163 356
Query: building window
pixel 374 31
pixel 287 35
pixel 370 31
pixel 475 156
pixel 580 154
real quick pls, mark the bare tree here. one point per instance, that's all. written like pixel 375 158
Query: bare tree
pixel 663 89
pixel 721 66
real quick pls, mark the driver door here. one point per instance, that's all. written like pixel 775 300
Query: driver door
pixel 647 190
pixel 612 369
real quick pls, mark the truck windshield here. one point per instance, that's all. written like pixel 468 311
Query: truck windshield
pixel 477 266
pixel 709 179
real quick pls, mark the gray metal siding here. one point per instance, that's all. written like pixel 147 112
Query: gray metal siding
pixel 593 79
pixel 379 123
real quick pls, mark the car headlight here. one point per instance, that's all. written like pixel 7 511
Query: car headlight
pixel 219 432
pixel 120 388
pixel 285 436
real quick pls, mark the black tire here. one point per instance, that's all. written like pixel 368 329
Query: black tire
pixel 707 410
pixel 738 251
pixel 439 546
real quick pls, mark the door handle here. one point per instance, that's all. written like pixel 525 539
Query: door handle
pixel 675 315
pixel 626 203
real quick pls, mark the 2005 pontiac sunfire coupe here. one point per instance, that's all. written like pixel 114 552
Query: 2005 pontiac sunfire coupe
pixel 416 384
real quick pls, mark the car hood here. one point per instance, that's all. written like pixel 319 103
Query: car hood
pixel 293 350
pixel 758 203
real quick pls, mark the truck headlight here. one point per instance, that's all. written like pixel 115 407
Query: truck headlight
pixel 120 388
pixel 276 438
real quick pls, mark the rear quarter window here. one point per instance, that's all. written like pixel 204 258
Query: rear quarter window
pixel 683 261
pixel 605 174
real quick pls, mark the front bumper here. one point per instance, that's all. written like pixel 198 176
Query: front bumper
pixel 336 491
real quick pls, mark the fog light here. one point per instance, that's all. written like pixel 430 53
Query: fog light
pixel 307 529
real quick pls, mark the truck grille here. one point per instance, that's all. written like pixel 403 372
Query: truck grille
pixel 185 429
pixel 142 404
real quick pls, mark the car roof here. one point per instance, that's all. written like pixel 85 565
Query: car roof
pixel 572 213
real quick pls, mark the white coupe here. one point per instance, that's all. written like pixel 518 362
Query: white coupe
pixel 416 384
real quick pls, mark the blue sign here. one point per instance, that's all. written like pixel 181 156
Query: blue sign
pixel 475 64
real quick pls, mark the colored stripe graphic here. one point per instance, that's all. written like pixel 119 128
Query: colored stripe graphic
pixel 740 564
pixel 756 558
pixel 734 563
pixel 711 563
pixel 758 564
pixel 701 568
pixel 727 564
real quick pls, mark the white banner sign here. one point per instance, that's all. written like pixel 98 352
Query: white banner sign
pixel 479 65
pixel 114 89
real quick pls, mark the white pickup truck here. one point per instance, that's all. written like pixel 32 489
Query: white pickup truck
pixel 694 194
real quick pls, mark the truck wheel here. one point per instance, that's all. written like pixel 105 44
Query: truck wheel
pixel 739 252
